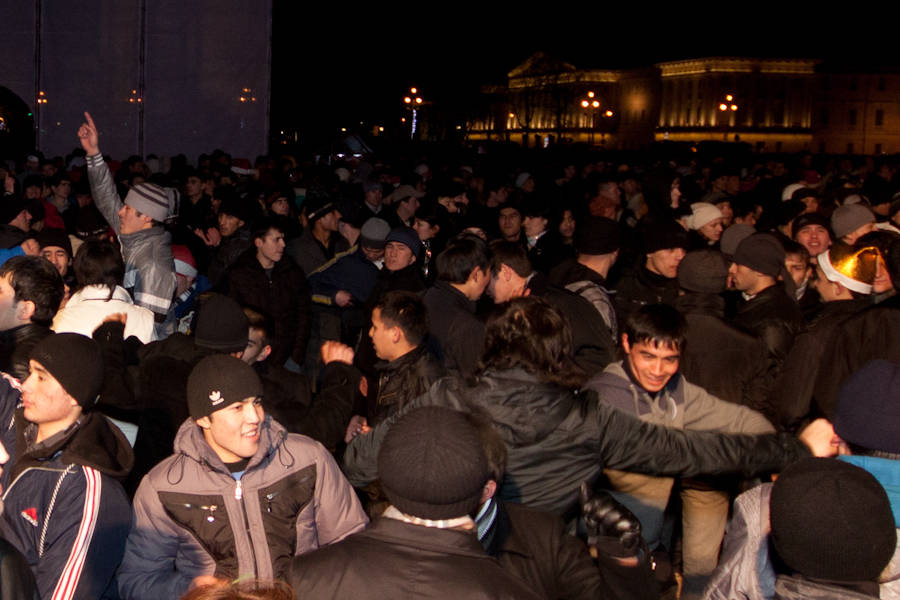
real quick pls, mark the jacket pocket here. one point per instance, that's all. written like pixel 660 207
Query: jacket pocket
pixel 280 505
pixel 205 517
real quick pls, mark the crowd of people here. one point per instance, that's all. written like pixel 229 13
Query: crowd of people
pixel 449 374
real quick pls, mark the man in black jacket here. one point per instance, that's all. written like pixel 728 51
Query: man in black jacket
pixel 264 279
pixel 463 276
pixel 766 311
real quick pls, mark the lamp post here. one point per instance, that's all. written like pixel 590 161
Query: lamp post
pixel 724 107
pixel 413 102
pixel 592 104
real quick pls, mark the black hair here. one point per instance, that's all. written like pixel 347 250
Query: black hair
pixel 59 178
pixel 656 324
pixel 34 278
pixel 99 262
pixel 531 334
pixel 406 311
pixel 511 254
pixel 262 226
pixel 792 247
pixel 463 254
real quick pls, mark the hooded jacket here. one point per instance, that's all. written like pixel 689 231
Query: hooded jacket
pixel 193 518
pixel 558 438
pixel 64 508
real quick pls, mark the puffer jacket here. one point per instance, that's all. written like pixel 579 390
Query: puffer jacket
pixel 149 264
pixel 193 518
pixel 64 508
pixel 558 438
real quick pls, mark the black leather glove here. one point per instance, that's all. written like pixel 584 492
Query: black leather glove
pixel 609 521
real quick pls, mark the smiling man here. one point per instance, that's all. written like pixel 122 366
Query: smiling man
pixel 648 385
pixel 239 498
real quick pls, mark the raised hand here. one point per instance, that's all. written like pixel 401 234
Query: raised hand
pixel 87 134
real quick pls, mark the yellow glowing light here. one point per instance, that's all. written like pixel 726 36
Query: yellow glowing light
pixel 729 97
pixel 595 104
pixel 381 129
pixel 590 94
pixel 242 99
pixel 407 99
pixel 584 103
pixel 344 129
pixel 403 119
pixel 418 101
pixel 413 91
pixel 734 107
pixel 608 113
pixel 723 107
pixel 512 116
pixel 40 93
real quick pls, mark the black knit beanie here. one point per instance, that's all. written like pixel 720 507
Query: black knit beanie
pixel 665 235
pixel 704 271
pixel 597 236
pixel 218 381
pixel 832 520
pixel 75 362
pixel 432 464
pixel 222 325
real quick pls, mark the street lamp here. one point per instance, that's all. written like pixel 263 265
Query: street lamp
pixel 724 107
pixel 412 102
pixel 591 103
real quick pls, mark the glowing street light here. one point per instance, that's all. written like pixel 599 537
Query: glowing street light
pixel 413 101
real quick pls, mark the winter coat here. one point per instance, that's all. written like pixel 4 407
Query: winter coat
pixel 558 438
pixel 285 298
pixel 87 308
pixel 402 380
pixel 16 579
pixel 454 328
pixel 714 347
pixel 64 508
pixel 869 335
pixel 592 344
pixel 591 286
pixel 149 264
pixel 773 317
pixel 642 286
pixel 351 272
pixel 792 395
pixel 193 518
pixel 393 559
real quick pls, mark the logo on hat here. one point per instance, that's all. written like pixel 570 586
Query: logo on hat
pixel 30 515
pixel 216 398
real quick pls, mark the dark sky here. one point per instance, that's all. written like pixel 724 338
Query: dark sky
pixel 333 67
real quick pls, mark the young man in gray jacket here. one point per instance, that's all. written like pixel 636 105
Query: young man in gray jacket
pixel 146 246
pixel 239 498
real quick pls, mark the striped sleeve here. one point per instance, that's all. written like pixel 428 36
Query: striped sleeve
pixel 71 573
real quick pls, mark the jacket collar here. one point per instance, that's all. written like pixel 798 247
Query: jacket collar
pixel 446 541
pixel 457 297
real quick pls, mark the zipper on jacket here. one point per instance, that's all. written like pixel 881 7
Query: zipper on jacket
pixel 239 496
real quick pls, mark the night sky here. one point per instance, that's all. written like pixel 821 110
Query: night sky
pixel 334 67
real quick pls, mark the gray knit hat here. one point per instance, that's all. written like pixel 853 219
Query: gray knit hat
pixel 850 217
pixel 151 200
pixel 704 271
pixel 374 232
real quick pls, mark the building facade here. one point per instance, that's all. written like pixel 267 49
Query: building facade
pixel 775 105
